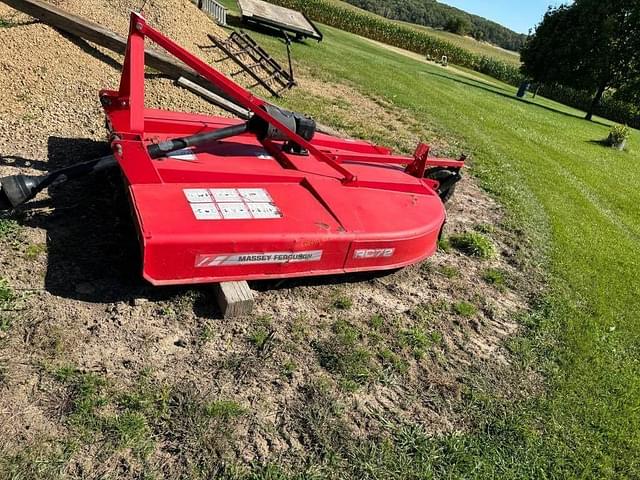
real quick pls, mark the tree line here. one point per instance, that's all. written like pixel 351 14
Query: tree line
pixel 433 14
pixel 591 46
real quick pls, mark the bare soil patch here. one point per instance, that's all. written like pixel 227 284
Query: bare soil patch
pixel 369 351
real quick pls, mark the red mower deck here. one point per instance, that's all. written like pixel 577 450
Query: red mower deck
pixel 243 208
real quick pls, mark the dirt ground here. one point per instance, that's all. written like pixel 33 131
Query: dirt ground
pixel 79 303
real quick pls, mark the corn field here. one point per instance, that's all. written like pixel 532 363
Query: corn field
pixel 403 36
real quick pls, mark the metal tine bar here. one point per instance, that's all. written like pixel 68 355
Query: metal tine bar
pixel 254 61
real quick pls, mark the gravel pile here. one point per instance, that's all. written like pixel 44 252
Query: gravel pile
pixel 50 82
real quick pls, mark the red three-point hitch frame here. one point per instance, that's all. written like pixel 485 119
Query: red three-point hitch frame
pixel 130 96
pixel 131 92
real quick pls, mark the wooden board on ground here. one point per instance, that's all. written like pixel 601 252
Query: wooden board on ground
pixel 235 299
pixel 281 18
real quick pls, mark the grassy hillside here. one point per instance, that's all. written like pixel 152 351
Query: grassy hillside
pixel 468 43
pixel 439 15
pixel 366 24
pixel 473 45
pixel 575 203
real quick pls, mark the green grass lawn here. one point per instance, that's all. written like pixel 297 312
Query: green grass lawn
pixel 577 203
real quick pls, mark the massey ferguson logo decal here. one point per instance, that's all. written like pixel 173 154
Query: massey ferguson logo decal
pixel 373 253
pixel 216 260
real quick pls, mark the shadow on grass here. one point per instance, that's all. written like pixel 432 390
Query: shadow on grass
pixel 91 242
pixel 505 94
pixel 284 283
pixel 606 144
pixel 92 246
pixel 602 143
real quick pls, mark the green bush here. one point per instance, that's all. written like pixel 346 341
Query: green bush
pixel 619 134
pixel 473 244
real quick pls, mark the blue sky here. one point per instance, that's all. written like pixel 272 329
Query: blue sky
pixel 518 15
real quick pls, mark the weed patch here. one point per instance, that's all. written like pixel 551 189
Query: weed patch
pixel 343 355
pixel 8 228
pixel 473 244
pixel 7 304
pixel 428 312
pixel 34 251
pixel 288 368
pixel 207 333
pixel 392 362
pixel 261 334
pixel 417 340
pixel 259 338
pixel 495 277
pixel 6 23
pixel 465 309
pixel 485 228
pixel 448 271
pixel 376 321
pixel 225 410
pixel 136 419
pixel 342 302
pixel 320 420
pixel 444 244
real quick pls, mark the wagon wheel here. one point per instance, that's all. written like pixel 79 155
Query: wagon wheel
pixel 447 179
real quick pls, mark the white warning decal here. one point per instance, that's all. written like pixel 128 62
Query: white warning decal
pixel 226 195
pixel 184 154
pixel 216 260
pixel 264 210
pixel 234 210
pixel 205 211
pixel 254 194
pixel 198 195
pixel 231 203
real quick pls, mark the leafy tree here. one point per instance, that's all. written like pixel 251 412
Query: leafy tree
pixel 630 92
pixel 458 25
pixel 591 45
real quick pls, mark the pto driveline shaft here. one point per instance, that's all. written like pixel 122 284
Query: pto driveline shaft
pixel 162 149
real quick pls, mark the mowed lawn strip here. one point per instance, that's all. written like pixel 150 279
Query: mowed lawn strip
pixel 578 202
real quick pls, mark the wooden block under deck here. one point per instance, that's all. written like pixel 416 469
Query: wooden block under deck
pixel 235 299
